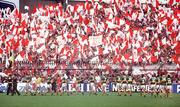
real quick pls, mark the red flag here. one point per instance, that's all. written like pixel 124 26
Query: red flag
pixel 84 38
pixel 46 13
pixel 86 21
pixel 119 58
pixel 69 36
pixel 100 51
pixel 173 35
pixel 176 58
pixel 1 31
pixel 16 45
pixel 88 6
pixel 23 23
pixel 40 6
pixel 22 53
pixel 80 19
pixel 125 48
pixel 140 59
pixel 1 51
pixel 126 56
pixel 72 59
pixel 29 57
pixel 50 26
pixel 139 50
pixel 75 42
pixel 157 3
pixel 48 71
pixel 19 16
pixel 171 2
pixel 34 10
pixel 115 59
pixel 169 22
pixel 177 48
pixel 16 12
pixel 133 1
pixel 88 30
pixel 25 42
pixel 3 38
pixel 75 8
pixel 154 59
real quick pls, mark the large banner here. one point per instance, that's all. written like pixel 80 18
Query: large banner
pixel 85 87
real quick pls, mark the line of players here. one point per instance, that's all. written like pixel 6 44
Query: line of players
pixel 160 85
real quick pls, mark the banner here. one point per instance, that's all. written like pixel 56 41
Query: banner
pixel 95 40
pixel 176 88
pixel 85 87
pixel 9 3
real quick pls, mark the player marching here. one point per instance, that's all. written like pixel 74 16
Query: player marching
pixel 163 86
pixel 28 87
pixel 92 85
pixel 124 84
pixel 14 85
pixel 49 87
pixel 143 80
pixel 157 86
pixel 130 80
pixel 54 86
pixel 59 84
pixel 64 85
pixel 104 85
pixel 119 84
pixel 80 80
pixel 34 86
pixel 153 85
pixel 98 84
pixel 168 86
pixel 43 87
pixel 38 85
pixel 74 85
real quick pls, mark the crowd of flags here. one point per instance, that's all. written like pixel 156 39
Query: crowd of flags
pixel 117 32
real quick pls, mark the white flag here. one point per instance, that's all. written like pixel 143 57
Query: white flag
pixel 95 40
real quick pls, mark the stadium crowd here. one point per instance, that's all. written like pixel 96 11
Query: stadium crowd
pixel 92 35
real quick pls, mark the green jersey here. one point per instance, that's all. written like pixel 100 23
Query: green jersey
pixel 103 79
pixel 118 79
pixel 143 80
pixel 130 79
pixel 169 82
pixel 153 80
pixel 124 79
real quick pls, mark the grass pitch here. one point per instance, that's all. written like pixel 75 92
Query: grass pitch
pixel 112 100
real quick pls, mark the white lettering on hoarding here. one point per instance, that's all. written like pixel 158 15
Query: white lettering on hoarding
pixel 178 88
